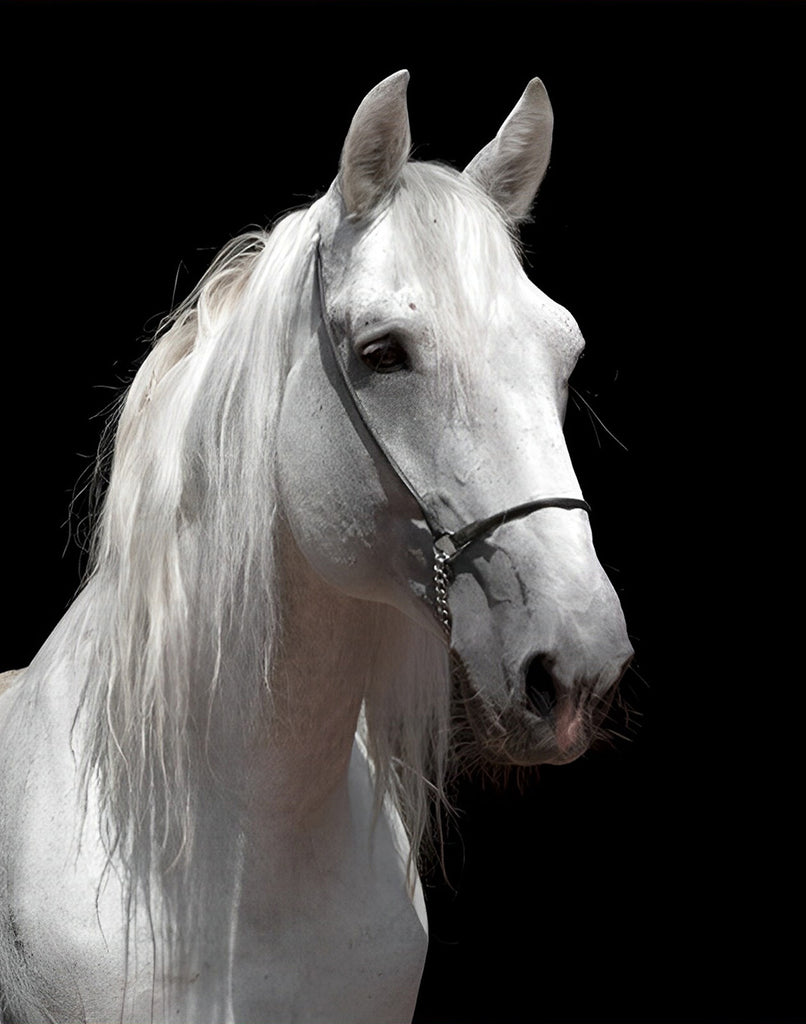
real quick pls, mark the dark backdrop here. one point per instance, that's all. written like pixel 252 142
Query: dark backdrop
pixel 653 881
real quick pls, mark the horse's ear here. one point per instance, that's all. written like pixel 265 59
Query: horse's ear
pixel 376 147
pixel 511 167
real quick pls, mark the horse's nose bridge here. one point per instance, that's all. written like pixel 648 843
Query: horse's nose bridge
pixel 505 459
pixel 530 444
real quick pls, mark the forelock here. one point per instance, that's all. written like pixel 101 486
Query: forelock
pixel 455 241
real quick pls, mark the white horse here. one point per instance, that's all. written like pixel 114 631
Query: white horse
pixel 341 466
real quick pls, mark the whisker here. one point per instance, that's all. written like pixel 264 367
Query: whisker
pixel 596 418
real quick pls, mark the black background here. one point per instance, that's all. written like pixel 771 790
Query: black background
pixel 654 881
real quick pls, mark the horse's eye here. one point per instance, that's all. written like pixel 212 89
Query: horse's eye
pixel 384 355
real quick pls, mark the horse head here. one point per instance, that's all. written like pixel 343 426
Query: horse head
pixel 429 394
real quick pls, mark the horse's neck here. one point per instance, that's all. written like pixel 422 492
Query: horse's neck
pixel 321 671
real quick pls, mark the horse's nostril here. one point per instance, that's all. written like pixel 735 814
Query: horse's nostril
pixel 539 685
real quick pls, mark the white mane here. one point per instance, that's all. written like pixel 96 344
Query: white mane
pixel 175 635
pixel 182 604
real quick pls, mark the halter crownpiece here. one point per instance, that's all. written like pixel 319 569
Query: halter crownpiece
pixel 447 543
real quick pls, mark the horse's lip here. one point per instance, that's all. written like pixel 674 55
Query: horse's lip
pixel 555 739
pixel 532 740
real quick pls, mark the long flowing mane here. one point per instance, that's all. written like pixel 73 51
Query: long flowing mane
pixel 176 632
pixel 182 598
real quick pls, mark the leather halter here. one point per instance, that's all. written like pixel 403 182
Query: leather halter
pixel 447 543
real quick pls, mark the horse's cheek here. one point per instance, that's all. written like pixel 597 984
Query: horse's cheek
pixel 321 470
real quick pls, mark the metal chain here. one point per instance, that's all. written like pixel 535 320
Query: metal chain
pixel 441 580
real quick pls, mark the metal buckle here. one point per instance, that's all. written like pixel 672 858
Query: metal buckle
pixel 445 545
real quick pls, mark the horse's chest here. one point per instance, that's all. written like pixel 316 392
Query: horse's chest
pixel 347 946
